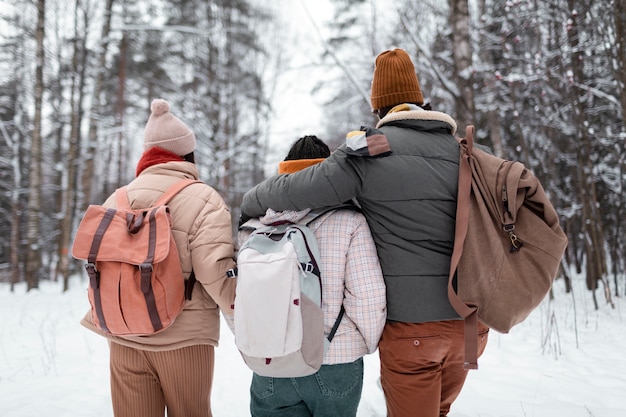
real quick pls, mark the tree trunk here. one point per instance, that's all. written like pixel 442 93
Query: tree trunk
pixel 89 151
pixel 120 108
pixel 113 178
pixel 591 217
pixel 33 227
pixel 16 208
pixel 620 51
pixel 462 60
pixel 487 60
pixel 620 76
pixel 78 67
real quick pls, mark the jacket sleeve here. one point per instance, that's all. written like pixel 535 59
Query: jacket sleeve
pixel 365 294
pixel 212 252
pixel 332 182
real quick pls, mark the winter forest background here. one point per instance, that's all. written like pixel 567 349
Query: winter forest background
pixel 543 81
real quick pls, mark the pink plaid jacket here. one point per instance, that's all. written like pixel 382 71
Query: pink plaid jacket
pixel 350 273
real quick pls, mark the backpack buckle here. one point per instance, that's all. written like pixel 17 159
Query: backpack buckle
pixel 516 242
pixel 93 274
pixel 308 267
pixel 231 273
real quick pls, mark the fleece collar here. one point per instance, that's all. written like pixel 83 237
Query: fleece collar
pixel 408 111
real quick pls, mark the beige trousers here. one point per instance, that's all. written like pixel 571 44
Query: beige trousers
pixel 146 383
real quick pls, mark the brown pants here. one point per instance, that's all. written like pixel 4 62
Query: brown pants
pixel 421 366
pixel 144 383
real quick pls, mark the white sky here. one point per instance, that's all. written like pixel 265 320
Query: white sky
pixel 297 111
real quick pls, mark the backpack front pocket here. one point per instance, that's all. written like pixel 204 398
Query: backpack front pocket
pixel 268 321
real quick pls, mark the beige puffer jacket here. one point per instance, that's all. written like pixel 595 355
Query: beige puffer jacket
pixel 201 224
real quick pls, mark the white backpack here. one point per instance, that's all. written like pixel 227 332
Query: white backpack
pixel 279 323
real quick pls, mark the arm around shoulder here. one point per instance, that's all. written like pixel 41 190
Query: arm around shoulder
pixel 326 184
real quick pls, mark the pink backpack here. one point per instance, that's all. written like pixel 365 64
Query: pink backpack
pixel 136 284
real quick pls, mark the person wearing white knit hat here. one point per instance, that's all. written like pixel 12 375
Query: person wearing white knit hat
pixel 173 369
pixel 167 131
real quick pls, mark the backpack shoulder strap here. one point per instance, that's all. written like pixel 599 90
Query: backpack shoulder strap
pixel 462 219
pixel 121 194
pixel 307 220
pixel 331 335
pixel 173 190
pixel 469 139
pixel 121 199
pixel 469 313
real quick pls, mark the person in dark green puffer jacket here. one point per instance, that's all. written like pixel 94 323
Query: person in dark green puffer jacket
pixel 404 176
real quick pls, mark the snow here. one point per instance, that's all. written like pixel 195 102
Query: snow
pixel 565 360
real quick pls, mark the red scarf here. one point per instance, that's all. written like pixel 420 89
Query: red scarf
pixel 155 156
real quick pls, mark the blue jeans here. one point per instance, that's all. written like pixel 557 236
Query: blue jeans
pixel 334 390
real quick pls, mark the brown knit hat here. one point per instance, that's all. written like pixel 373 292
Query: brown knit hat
pixel 167 131
pixel 395 81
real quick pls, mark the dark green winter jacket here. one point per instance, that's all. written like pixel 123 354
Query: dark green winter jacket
pixel 408 197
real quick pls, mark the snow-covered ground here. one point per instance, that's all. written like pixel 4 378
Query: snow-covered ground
pixel 565 360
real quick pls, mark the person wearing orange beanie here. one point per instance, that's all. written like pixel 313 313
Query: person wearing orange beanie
pixel 403 173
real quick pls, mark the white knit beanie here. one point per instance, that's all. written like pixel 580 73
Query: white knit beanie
pixel 167 131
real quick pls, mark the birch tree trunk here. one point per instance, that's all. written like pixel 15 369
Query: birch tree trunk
pixel 33 226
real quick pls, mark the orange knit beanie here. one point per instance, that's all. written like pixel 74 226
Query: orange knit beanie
pixel 395 81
